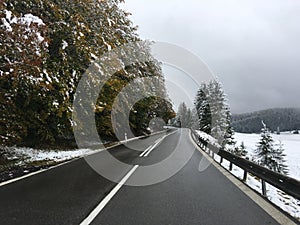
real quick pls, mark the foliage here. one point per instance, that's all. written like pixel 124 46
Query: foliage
pixel 46 46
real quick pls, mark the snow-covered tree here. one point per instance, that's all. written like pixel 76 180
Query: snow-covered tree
pixel 278 162
pixel 214 112
pixel 228 142
pixel 243 149
pixel 186 117
pixel 265 147
pixel 181 115
pixel 194 119
pixel 218 108
pixel 240 151
pixel 203 109
pixel 267 153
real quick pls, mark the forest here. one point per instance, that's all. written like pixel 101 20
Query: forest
pixel 278 119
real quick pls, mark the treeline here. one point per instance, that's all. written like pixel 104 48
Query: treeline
pixel 211 114
pixel 281 119
pixel 186 117
pixel 46 46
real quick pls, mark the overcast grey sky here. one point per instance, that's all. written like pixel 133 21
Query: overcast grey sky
pixel 253 46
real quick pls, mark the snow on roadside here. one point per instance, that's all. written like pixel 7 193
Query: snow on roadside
pixel 31 155
pixel 291 145
pixel 279 198
pixel 208 137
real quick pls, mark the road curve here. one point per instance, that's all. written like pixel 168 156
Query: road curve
pixel 69 193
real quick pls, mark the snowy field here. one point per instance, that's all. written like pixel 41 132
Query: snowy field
pixel 291 145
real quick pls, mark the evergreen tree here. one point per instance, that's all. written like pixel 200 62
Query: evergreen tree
pixel 278 162
pixel 203 109
pixel 228 141
pixel 243 149
pixel 218 108
pixel 194 119
pixel 185 116
pixel 265 147
pixel 240 150
pixel 268 155
pixel 214 113
pixel 182 114
pixel 189 118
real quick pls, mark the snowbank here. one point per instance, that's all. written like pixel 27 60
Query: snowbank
pixel 206 136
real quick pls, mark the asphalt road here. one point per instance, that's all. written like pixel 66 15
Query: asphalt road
pixel 69 193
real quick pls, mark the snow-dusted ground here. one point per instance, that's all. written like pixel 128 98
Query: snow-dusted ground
pixel 291 145
pixel 284 201
pixel 208 138
pixel 32 155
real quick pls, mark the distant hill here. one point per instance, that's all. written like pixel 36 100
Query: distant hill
pixel 286 119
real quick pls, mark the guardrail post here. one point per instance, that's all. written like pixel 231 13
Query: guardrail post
pixel 213 155
pixel 264 188
pixel 221 160
pixel 245 176
pixel 230 166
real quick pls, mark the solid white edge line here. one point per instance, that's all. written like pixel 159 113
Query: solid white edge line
pixel 20 178
pixel 106 200
pixel 72 160
pixel 275 213
pixel 35 173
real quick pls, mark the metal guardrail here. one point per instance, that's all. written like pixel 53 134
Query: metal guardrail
pixel 286 184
